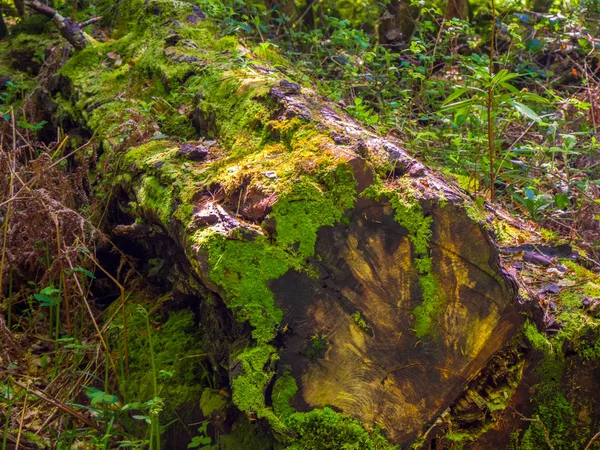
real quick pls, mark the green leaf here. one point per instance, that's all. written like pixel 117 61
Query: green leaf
pixel 457 93
pixel 46 300
pixel 533 45
pixel 561 200
pixel 85 271
pixel 524 18
pixel 526 111
pixel 457 105
pixel 530 96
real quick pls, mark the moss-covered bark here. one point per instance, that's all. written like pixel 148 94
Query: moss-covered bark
pixel 300 221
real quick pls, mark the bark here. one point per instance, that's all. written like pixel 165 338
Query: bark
pixel 69 29
pixel 285 7
pixel 458 9
pixel 364 276
pixel 20 7
pixel 398 22
pixel 542 6
pixel 3 28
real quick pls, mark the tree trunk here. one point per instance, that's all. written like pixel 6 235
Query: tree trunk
pixel 20 7
pixel 458 9
pixel 3 28
pixel 542 6
pixel 398 23
pixel 286 7
pixel 366 282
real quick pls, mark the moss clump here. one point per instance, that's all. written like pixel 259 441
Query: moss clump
pixel 244 435
pixel 536 339
pixel 35 24
pixel 310 206
pixel 360 321
pixel 284 389
pixel 156 198
pixel 317 346
pixel 180 378
pixel 553 409
pixel 212 402
pixel 256 371
pixel 323 429
pixel 242 269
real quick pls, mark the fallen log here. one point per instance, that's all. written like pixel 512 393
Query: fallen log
pixel 370 284
pixel 68 28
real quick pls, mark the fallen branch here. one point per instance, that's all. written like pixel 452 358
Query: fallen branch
pixel 69 29
pixel 60 405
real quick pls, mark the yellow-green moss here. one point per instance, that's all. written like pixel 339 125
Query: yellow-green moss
pixel 360 321
pixel 310 206
pixel 284 389
pixel 212 402
pixel 325 429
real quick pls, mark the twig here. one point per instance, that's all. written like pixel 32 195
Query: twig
pixel 34 179
pixel 90 312
pixel 596 436
pixel 22 420
pixel 57 403
pixel 537 420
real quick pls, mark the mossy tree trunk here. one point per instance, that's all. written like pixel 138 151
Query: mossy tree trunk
pixel 367 282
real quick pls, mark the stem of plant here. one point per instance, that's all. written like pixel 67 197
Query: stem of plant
pixel 10 288
pixel 7 421
pixel 490 108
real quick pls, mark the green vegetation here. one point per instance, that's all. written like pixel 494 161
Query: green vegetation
pixel 507 110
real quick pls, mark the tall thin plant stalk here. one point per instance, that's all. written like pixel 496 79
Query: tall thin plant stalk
pixel 490 109
pixel 154 424
pixel 7 420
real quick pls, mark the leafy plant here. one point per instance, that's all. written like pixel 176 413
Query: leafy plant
pixel 203 441
pixel 533 202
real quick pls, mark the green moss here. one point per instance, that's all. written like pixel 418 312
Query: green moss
pixel 176 344
pixel 317 346
pixel 156 198
pixel 536 339
pixel 284 389
pixel 428 313
pixel 244 435
pixel 360 321
pixel 552 407
pixel 242 269
pixel 324 429
pixel 35 24
pixel 212 402
pixel 311 206
pixel 249 386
